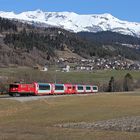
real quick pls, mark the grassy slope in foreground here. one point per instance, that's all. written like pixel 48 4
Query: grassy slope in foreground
pixel 36 119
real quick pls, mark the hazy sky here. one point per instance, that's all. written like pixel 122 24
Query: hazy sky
pixel 122 9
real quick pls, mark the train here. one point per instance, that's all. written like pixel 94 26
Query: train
pixel 35 89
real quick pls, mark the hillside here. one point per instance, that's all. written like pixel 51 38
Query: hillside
pixel 28 45
pixel 124 45
pixel 109 37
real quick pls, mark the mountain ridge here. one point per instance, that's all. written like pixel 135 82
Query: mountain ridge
pixel 75 22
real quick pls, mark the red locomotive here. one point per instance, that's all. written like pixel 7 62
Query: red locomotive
pixel 49 89
pixel 25 89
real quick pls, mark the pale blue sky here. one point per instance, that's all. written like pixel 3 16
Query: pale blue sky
pixel 122 9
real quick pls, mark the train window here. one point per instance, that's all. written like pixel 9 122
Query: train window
pixel 80 88
pixel 73 87
pixel 69 87
pixel 59 87
pixel 94 88
pixel 13 86
pixel 44 87
pixel 88 88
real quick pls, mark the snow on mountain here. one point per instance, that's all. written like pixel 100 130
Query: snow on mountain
pixel 76 23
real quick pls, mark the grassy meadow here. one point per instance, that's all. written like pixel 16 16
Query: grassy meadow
pixel 100 76
pixel 37 119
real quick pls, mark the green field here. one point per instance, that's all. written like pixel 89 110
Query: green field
pixel 36 119
pixel 100 76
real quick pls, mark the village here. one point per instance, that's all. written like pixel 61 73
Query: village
pixel 74 64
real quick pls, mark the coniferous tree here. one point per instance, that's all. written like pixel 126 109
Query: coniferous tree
pixel 128 83
pixel 111 85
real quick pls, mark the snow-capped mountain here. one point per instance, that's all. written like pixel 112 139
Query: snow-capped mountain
pixel 75 22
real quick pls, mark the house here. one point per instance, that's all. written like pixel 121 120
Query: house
pixel 66 69
pixel 45 68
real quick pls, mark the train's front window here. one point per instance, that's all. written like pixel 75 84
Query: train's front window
pixel 13 86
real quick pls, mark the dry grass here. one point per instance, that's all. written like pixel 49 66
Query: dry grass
pixel 36 119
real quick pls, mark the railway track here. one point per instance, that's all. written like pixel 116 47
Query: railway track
pixel 32 98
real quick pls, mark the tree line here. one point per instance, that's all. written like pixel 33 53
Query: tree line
pixel 126 85
pixel 7 25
